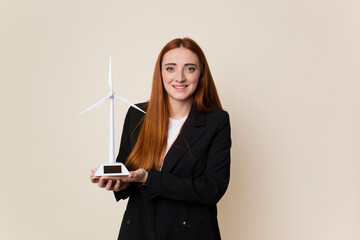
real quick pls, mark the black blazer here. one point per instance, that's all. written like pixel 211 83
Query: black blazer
pixel 179 202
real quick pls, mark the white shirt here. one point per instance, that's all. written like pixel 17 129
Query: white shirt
pixel 173 131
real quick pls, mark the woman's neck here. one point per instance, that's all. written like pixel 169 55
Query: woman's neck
pixel 179 110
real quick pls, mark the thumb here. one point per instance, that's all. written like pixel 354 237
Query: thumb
pixel 133 174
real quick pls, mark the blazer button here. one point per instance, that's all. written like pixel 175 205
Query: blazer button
pixel 186 224
pixel 129 222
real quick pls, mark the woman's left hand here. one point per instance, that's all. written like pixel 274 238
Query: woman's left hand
pixel 139 175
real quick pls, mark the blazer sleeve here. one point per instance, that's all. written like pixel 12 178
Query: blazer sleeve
pixel 210 186
pixel 128 140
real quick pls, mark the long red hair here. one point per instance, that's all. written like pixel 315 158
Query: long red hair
pixel 149 150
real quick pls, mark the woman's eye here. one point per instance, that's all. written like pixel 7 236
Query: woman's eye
pixel 169 69
pixel 191 69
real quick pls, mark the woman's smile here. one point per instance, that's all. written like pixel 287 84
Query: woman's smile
pixel 180 88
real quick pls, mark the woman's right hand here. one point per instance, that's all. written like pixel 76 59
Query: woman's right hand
pixel 111 183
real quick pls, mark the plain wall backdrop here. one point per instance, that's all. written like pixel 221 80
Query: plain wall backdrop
pixel 287 71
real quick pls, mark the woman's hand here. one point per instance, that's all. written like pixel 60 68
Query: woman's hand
pixel 118 183
pixel 139 175
pixel 110 183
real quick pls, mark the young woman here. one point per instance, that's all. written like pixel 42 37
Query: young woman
pixel 178 153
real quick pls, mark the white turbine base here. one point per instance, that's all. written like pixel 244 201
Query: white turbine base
pixel 111 169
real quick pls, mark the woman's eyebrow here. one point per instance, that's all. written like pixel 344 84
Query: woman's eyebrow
pixel 186 64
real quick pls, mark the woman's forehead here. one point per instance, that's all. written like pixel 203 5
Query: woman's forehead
pixel 180 56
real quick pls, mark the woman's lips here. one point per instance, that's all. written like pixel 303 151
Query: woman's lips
pixel 180 87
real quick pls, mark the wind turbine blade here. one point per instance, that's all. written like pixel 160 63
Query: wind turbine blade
pixel 110 77
pixel 95 105
pixel 130 103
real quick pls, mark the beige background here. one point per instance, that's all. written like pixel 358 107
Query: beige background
pixel 286 71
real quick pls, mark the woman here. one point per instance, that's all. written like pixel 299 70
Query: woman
pixel 178 153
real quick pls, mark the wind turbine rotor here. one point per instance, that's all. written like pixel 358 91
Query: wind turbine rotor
pixel 110 77
pixel 96 104
pixel 130 103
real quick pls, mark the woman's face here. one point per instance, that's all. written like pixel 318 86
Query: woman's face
pixel 180 73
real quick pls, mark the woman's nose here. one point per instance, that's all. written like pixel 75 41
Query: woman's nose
pixel 180 77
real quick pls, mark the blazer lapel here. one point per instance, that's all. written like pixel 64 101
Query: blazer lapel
pixel 192 130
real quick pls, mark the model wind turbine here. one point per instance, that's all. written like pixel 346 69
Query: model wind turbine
pixel 112 168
